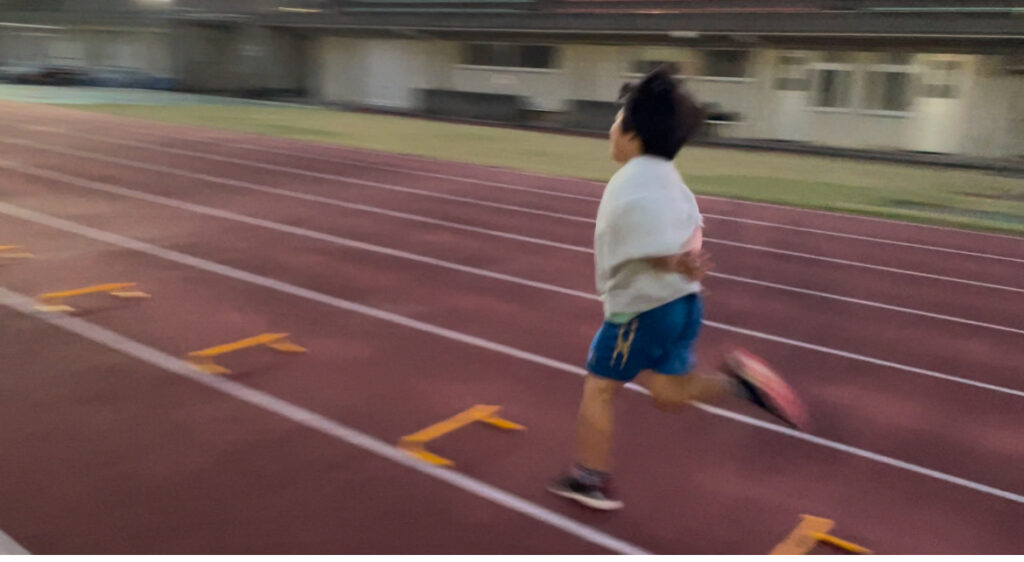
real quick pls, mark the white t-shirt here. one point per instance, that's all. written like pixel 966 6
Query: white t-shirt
pixel 646 212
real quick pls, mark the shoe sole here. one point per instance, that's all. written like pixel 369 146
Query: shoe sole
pixel 773 389
pixel 600 505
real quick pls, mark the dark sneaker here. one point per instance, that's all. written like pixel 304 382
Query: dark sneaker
pixel 765 388
pixel 594 497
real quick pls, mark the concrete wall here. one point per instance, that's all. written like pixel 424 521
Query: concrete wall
pixel 21 47
pixel 270 59
pixel 994 121
pixel 379 73
pixel 148 51
pixel 239 59
pixel 1015 118
pixel 592 72
pixel 201 58
pixel 542 89
pixel 205 58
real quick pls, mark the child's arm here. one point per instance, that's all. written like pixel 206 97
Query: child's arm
pixel 691 262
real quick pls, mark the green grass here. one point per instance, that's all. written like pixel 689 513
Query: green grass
pixel 960 198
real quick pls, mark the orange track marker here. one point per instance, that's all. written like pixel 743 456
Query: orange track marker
pixel 9 253
pixel 54 302
pixel 203 359
pixel 809 533
pixel 415 444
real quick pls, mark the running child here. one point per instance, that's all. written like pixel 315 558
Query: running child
pixel 648 265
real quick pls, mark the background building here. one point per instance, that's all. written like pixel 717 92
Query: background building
pixel 923 76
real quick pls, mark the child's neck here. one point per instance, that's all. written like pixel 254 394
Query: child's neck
pixel 650 157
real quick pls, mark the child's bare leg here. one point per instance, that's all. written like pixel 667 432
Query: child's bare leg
pixel 595 423
pixel 672 393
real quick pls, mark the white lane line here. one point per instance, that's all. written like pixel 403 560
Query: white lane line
pixel 866 359
pixel 374 166
pixel 318 175
pixel 231 139
pixel 302 196
pixel 867 266
pixel 233 143
pixel 8 546
pixel 330 201
pixel 298 231
pixel 317 422
pixel 287 288
pixel 527 210
pixel 864 218
pixel 228 215
pixel 872 304
pixel 865 238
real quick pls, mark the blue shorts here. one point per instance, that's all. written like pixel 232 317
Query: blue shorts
pixel 661 339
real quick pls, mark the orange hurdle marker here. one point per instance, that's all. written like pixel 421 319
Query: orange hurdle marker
pixel 415 444
pixel 9 253
pixel 203 359
pixel 809 533
pixel 54 302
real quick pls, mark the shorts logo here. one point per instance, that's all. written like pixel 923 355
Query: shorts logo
pixel 624 342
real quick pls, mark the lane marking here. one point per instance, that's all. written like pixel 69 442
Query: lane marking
pixel 491 204
pixel 314 296
pixel 244 219
pixel 865 238
pixel 298 195
pixel 868 266
pixel 864 218
pixel 872 304
pixel 318 175
pixel 318 422
pixel 9 546
pixel 232 137
pixel 353 162
pixel 521 238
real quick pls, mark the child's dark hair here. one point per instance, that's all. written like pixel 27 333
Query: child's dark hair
pixel 661 112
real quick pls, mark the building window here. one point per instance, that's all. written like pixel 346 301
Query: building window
pixel 942 79
pixel 509 55
pixel 725 63
pixel 889 86
pixel 888 90
pixel 537 56
pixel 832 86
pixel 791 73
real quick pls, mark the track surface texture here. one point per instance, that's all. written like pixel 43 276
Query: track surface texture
pixel 422 288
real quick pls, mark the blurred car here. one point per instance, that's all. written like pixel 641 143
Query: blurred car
pixel 52 76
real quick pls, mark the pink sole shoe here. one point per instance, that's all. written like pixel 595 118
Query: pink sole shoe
pixel 766 388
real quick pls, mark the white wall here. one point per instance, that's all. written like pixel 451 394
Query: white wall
pixel 592 72
pixel 987 119
pixel 383 73
pixel 1015 118
pixel 993 125
pixel 336 77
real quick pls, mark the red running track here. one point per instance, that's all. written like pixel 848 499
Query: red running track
pixel 905 340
